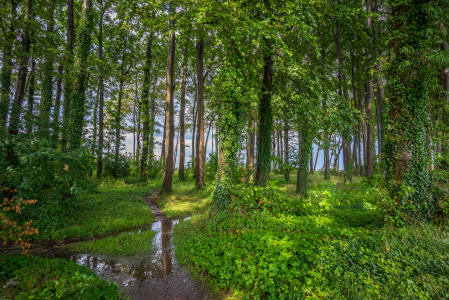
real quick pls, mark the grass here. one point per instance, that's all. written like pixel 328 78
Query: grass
pixel 117 206
pixel 133 244
pixel 185 199
pixel 44 278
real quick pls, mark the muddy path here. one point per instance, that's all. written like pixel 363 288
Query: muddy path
pixel 158 276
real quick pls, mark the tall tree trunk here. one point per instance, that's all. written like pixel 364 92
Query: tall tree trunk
pixel 47 83
pixel 194 112
pixel 304 157
pixel 118 118
pixel 346 139
pixel 265 119
pixel 169 118
pixel 68 78
pixel 164 137
pixel 7 68
pixel 145 110
pixel 31 89
pixel 182 150
pixel 286 152
pixel 201 151
pixel 78 99
pixel 23 68
pixel 369 122
pixel 57 104
pixel 101 100
pixel 379 89
pixel 94 133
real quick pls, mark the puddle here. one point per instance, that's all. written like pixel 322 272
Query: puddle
pixel 156 277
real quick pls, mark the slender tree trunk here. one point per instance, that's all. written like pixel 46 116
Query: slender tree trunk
pixel 164 135
pixel 316 159
pixel 445 100
pixel 169 123
pixel 346 139
pixel 145 110
pixel 78 99
pixel 68 78
pixel 101 100
pixel 286 152
pixel 201 151
pixel 94 133
pixel 31 89
pixel 369 122
pixel 194 112
pixel 7 68
pixel 23 68
pixel 304 157
pixel 57 104
pixel 182 150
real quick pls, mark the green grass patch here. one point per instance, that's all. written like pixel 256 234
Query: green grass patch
pixel 185 199
pixel 116 206
pixel 44 278
pixel 133 244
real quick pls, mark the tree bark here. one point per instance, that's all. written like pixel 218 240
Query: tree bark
pixel 286 152
pixel 169 121
pixel 369 110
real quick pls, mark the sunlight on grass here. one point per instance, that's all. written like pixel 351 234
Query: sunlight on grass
pixel 184 200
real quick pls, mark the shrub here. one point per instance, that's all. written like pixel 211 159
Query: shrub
pixel 117 168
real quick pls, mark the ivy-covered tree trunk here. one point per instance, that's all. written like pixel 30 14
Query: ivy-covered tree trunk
pixel 201 151
pixel 444 47
pixel 406 156
pixel 16 109
pixel 118 117
pixel 182 149
pixel 252 148
pixel 303 162
pixel 169 117
pixel 47 83
pixel 265 122
pixel 68 77
pixel 230 129
pixel 145 110
pixel 7 68
pixel 78 99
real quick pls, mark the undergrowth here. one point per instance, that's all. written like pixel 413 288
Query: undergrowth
pixel 332 245
pixel 37 278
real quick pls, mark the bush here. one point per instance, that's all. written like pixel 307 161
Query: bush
pixel 36 170
pixel 117 168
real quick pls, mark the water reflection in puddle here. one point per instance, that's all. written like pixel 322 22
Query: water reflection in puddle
pixel 155 277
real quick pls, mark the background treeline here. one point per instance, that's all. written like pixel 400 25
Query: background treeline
pixel 265 79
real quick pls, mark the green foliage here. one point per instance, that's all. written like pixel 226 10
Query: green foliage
pixel 211 166
pixel 132 244
pixel 39 172
pixel 117 168
pixel 44 278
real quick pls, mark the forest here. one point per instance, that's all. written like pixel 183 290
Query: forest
pixel 224 149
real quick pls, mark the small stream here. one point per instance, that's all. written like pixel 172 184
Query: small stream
pixel 156 277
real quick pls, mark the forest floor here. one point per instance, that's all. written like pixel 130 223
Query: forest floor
pixel 270 244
